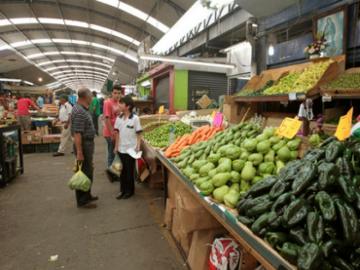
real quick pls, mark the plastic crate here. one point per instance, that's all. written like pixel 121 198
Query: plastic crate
pixel 54 147
pixel 42 148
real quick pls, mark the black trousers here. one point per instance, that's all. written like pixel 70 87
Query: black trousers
pixel 95 119
pixel 88 147
pixel 127 182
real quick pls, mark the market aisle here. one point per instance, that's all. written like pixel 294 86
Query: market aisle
pixel 38 218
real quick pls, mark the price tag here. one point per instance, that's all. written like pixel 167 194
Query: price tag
pixel 289 127
pixel 343 129
pixel 292 96
pixel 218 119
pixel 161 109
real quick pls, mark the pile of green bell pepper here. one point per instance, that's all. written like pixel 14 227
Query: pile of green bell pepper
pixel 310 211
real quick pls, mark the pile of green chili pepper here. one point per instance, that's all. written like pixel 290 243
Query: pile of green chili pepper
pixel 310 212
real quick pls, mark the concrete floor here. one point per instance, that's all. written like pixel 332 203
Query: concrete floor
pixel 38 218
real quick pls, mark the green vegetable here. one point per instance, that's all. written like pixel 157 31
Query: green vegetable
pixel 344 219
pixel 256 158
pixel 278 189
pixel 212 173
pixel 261 137
pixel 290 251
pixel 274 140
pixel 279 145
pixel 197 164
pixel 244 155
pixel 260 223
pixel 247 203
pixel 284 154
pixel 220 192
pixel 304 177
pixel 294 155
pixel 225 165
pixel 214 158
pixel 233 152
pixel 245 220
pixel 235 177
pixel 263 147
pixel 328 173
pixel 244 186
pixel 282 200
pixel 232 198
pixel 315 140
pixel 333 151
pixel 276 239
pixel 279 166
pixel 238 165
pixel 248 172
pixel 340 263
pixel 326 205
pixel 347 188
pixel 309 257
pixel 262 186
pixel 206 188
pixel 267 168
pixel 259 209
pixel 204 170
pixel 299 236
pixel 188 171
pixel 221 179
pixel 353 220
pixel 194 176
pixel 315 227
pixel 270 156
pixel 257 179
pixel 250 144
pixel 294 144
pixel 269 132
pixel 295 212
pixel 201 180
pixel 328 247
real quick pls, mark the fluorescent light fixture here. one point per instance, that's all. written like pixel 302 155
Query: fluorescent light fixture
pixel 9 80
pixel 5 47
pixel 51 21
pixel 28 83
pixel 76 66
pixel 81 74
pixel 5 22
pixel 76 23
pixel 23 20
pixel 82 78
pixel 41 41
pixel 185 61
pixel 73 61
pixel 145 84
pixel 42 55
pixel 114 33
pixel 137 13
pixel 131 55
pixel 271 50
pixel 78 71
pixel 240 45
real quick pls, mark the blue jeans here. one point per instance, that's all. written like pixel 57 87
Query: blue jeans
pixel 110 154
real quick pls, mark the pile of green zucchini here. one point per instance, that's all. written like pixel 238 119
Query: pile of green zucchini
pixel 310 211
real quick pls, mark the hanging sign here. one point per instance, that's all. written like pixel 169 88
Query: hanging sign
pixel 343 130
pixel 289 127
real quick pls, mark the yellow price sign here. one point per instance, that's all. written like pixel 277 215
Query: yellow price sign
pixel 343 130
pixel 161 109
pixel 289 127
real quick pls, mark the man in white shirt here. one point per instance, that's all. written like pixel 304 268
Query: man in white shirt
pixel 64 119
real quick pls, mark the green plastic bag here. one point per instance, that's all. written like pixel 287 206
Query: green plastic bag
pixel 79 181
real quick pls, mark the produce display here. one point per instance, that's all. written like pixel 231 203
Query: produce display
pixel 284 86
pixel 201 134
pixel 310 211
pixel 226 166
pixel 160 136
pixel 345 81
pixel 189 118
pixel 150 126
pixel 258 92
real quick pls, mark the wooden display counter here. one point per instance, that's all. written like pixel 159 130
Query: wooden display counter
pixel 253 245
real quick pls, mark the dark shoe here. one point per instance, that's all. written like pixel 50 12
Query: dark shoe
pixel 109 175
pixel 127 196
pixel 58 154
pixel 120 196
pixel 88 206
pixel 94 198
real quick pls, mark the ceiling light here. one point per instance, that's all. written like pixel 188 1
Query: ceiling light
pixel 271 50
pixel 137 13
pixel 76 66
pixel 42 55
pixel 40 79
pixel 20 44
pixel 28 83
pixel 145 84
pixel 41 41
pixel 76 23
pixel 61 40
pixel 80 42
pixel 4 22
pixel 184 61
pixel 73 61
pixel 78 71
pixel 81 74
pixel 9 80
pixel 23 20
pixel 51 21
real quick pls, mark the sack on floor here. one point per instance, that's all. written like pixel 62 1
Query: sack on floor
pixel 116 166
pixel 79 181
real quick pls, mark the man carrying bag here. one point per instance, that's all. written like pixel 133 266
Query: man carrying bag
pixel 83 131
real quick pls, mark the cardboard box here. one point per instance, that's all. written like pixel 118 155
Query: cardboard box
pixel 26 137
pixel 174 186
pixel 169 210
pixel 183 238
pixel 192 215
pixel 52 138
pixel 200 248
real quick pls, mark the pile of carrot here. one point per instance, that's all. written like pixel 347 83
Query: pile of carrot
pixel 203 133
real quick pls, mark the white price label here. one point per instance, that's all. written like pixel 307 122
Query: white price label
pixel 292 96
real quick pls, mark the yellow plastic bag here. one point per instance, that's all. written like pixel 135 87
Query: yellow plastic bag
pixel 79 181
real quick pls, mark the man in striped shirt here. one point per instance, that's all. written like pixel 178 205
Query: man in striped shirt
pixel 83 131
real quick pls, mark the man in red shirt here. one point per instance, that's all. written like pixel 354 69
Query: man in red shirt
pixel 23 114
pixel 111 112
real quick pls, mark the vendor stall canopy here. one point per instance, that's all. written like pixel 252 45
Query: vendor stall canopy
pixel 82 42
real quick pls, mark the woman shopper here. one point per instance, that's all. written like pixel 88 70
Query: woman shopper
pixel 128 130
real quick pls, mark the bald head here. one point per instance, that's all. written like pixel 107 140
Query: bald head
pixel 85 96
